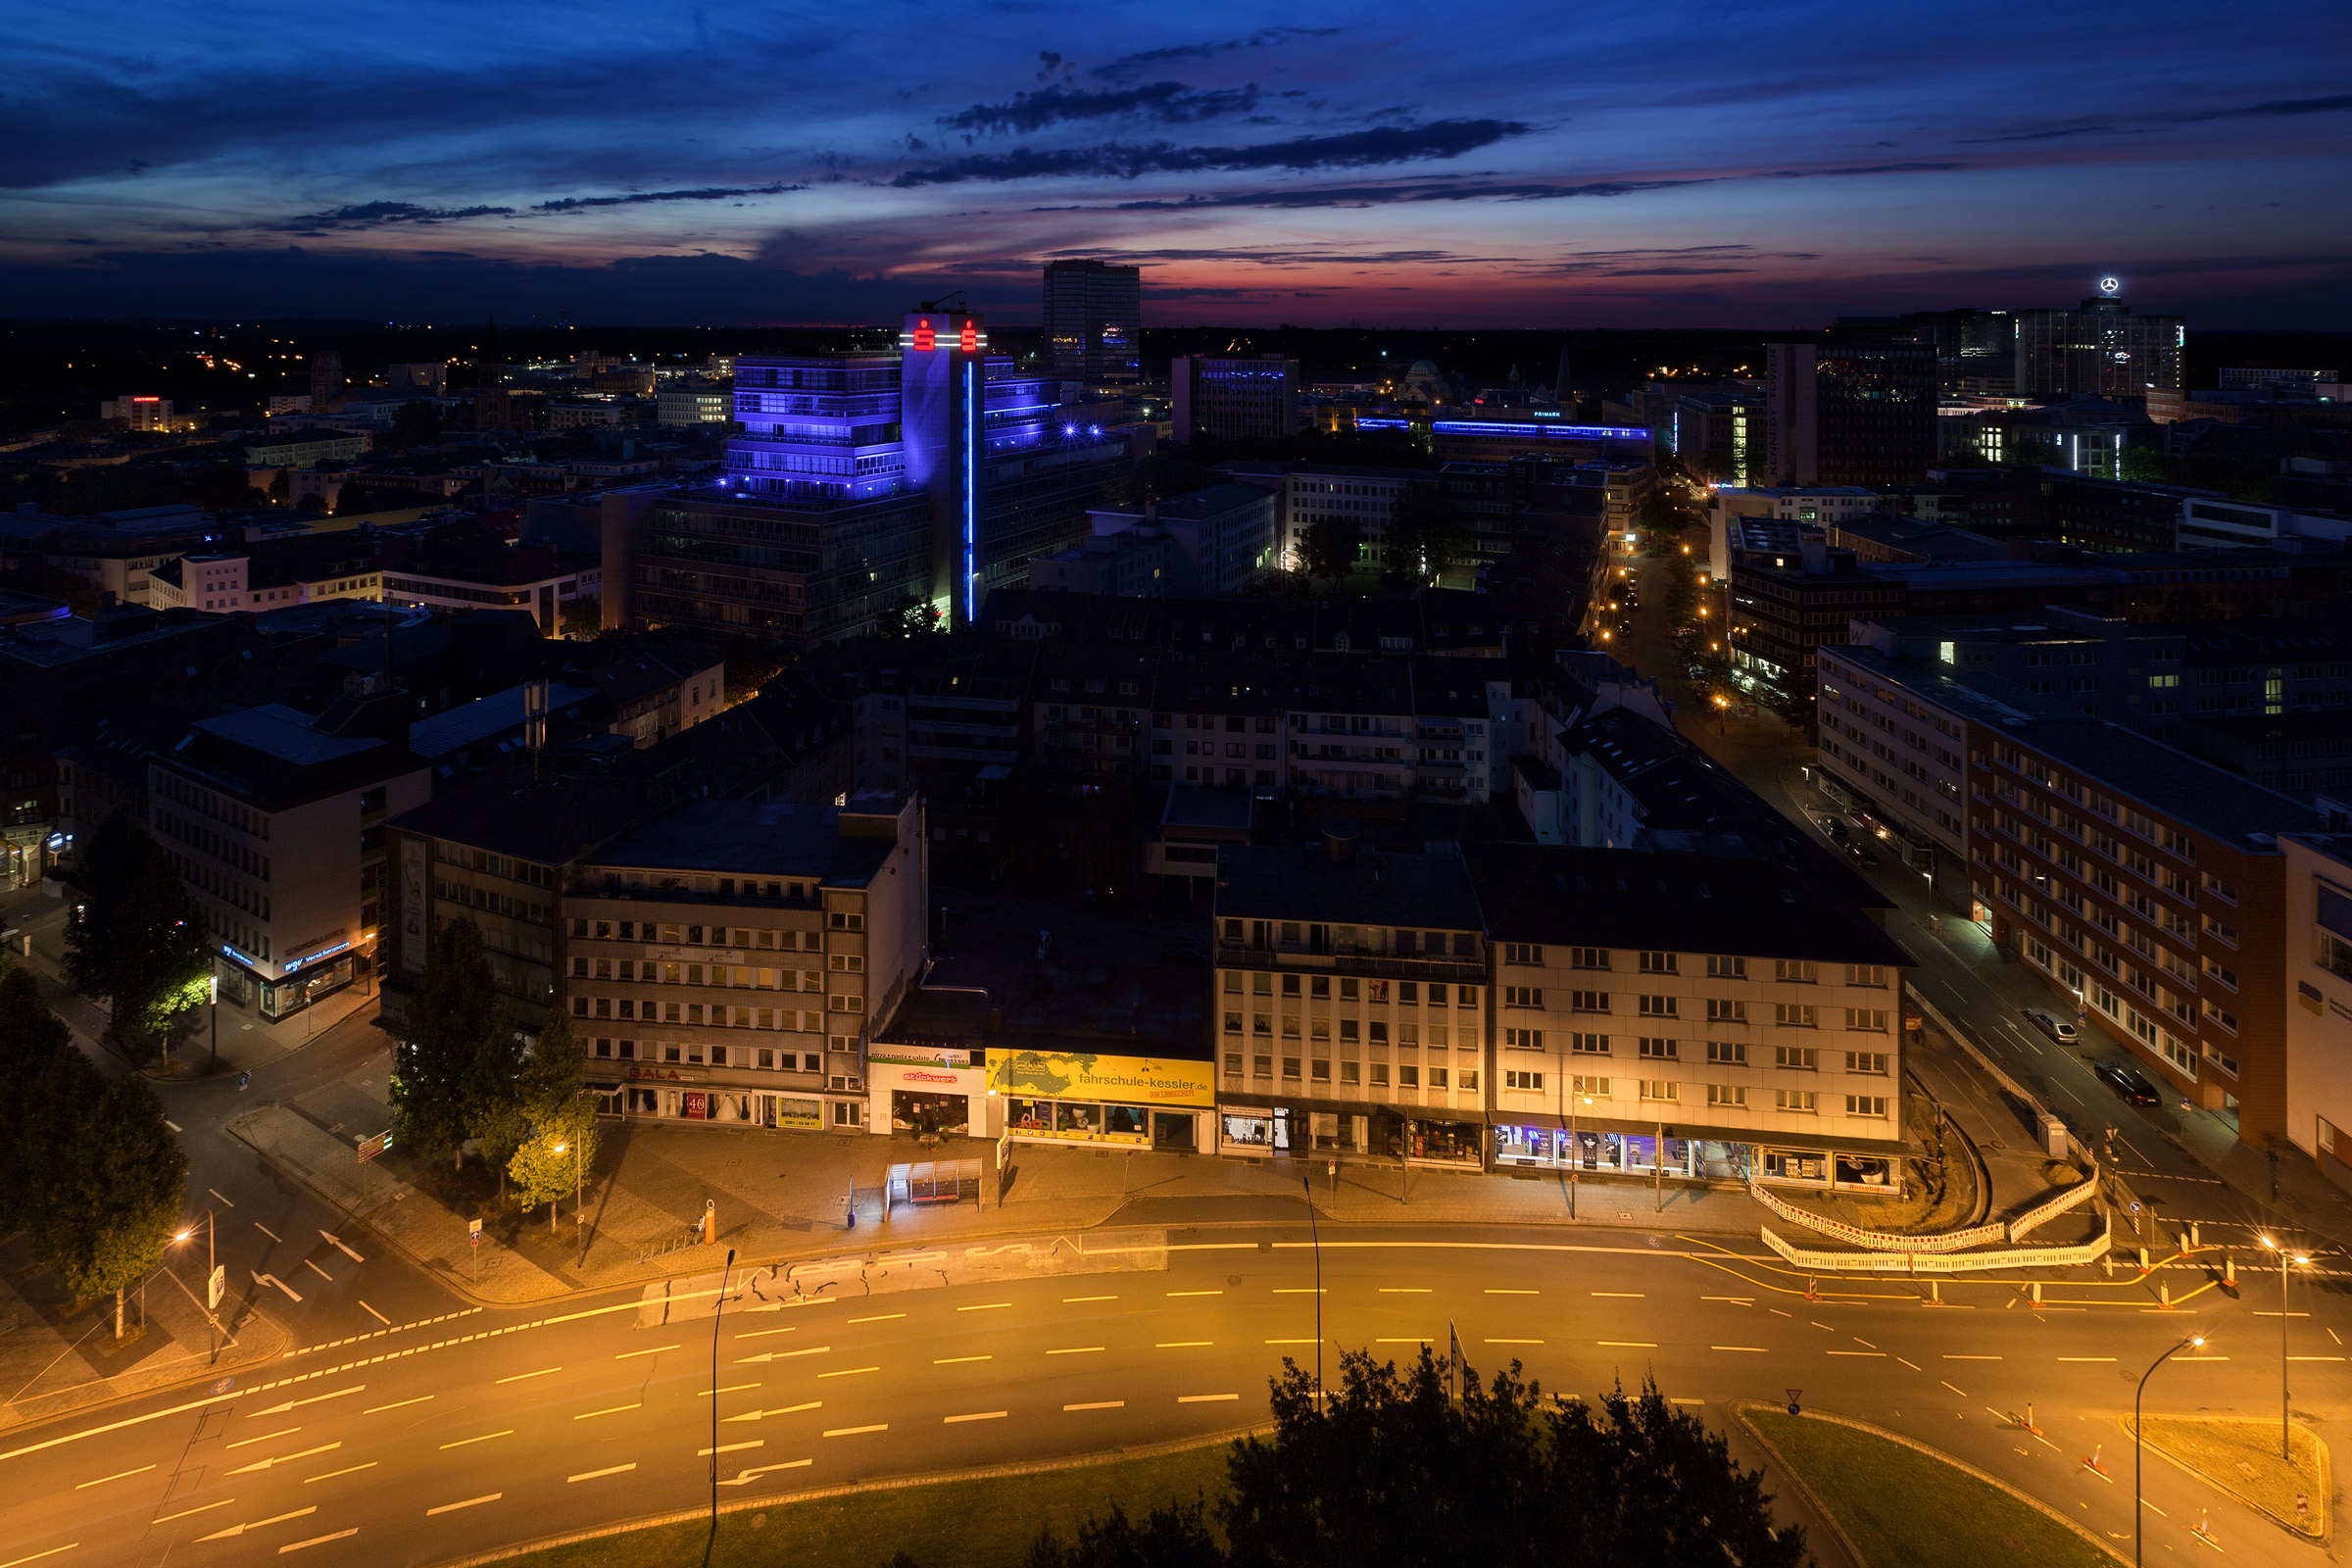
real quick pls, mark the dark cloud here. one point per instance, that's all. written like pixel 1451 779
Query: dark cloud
pixel 380 214
pixel 708 193
pixel 1128 66
pixel 1406 194
pixel 1355 149
pixel 1170 102
pixel 2273 109
pixel 2281 107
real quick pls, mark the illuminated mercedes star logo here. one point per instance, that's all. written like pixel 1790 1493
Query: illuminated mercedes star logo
pixel 2111 286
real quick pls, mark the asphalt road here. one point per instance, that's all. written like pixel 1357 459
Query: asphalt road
pixel 421 1444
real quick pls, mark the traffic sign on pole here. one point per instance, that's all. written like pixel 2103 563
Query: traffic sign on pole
pixel 215 1288
pixel 474 1233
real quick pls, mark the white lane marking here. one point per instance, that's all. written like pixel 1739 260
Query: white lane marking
pixel 1513 1342
pixel 168 1122
pixel 984 1415
pixel 378 1409
pixel 849 1371
pixel 281 1432
pixel 1913 1365
pixel 755 1333
pixel 484 1438
pixel 1865 1354
pixel 315 1270
pixel 879 1317
pixel 789 1410
pixel 655 1350
pixel 18 1562
pixel 1491 1291
pixel 1972 1358
pixel 1205 1398
pixel 1076 1349
pixel 744 1478
pixel 166 1519
pixel 611 1409
pixel 1740 1301
pixel 1962 1392
pixel 1404 1290
pixel 1686 1402
pixel 984 1307
pixel 1630 1344
pixel 84 1486
pixel 316 1398
pixel 266 1231
pixel 851 1432
pixel 1100 1405
pixel 610 1470
pixel 226 1202
pixel 1305 1290
pixel 2315 1358
pixel 731 1447
pixel 336 1241
pixel 780 1356
pixel 374 1314
pixel 956 1360
pixel 523 1376
pixel 470 1502
pixel 1067 1299
pixel 1408 1339
pixel 331 1474
pixel 1173 1293
pixel 274 1519
pixel 1752 1349
pixel 2086 1358
pixel 285 1458
pixel 1290 1342
pixel 272 1279
pixel 318 1540
pixel 733 1387
pixel 1181 1344
pixel 1632 1295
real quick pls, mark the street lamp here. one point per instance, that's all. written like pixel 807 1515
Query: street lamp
pixel 2193 1342
pixel 211 1319
pixel 580 1197
pixel 2300 1262
pixel 1316 1229
pixel 214 980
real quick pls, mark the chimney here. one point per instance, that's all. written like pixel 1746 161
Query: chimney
pixel 1339 835
pixel 1814 546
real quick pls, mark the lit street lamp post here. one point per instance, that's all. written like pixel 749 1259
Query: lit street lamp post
pixel 2300 1262
pixel 2194 1340
pixel 211 1319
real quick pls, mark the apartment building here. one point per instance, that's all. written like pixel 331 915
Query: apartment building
pixel 1690 1017
pixel 1351 1004
pixel 728 960
pixel 1366 497
pixel 277 828
pixel 2146 886
pixel 2318 994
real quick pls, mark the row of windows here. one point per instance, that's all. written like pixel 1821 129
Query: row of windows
pixel 1353 1074
pixel 1408 1034
pixel 1318 988
pixel 712 1014
pixel 716 936
pixel 691 1053
pixel 1730 1097
pixel 1720 966
pixel 1720 1053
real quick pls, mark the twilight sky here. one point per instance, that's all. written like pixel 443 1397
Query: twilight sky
pixel 1501 163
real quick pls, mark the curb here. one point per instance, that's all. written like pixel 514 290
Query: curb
pixel 2325 1491
pixel 258 1314
pixel 819 1494
pixel 1741 1407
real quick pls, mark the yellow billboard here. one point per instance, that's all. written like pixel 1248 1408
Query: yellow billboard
pixel 1084 1075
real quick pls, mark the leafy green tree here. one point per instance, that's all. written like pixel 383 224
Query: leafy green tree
pixel 1330 549
pixel 910 616
pixel 31 1038
pixel 416 423
pixel 1789 699
pixel 137 938
pixel 1395 1469
pixel 115 1194
pixel 450 1015
pixel 495 1117
pixel 584 617
pixel 562 1144
pixel 1425 534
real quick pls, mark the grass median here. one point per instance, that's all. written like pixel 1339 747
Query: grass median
pixel 987 1523
pixel 1904 1509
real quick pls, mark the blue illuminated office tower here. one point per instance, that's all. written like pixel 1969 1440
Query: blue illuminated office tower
pixel 1007 476
pixel 823 426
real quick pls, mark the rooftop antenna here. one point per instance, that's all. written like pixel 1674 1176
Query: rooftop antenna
pixel 942 303
pixel 534 722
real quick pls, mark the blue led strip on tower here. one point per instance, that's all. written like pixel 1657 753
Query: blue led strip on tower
pixel 971 485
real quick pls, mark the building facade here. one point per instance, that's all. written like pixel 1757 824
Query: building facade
pixel 2319 999
pixel 1093 321
pixel 1234 399
pixel 2099 347
pixel 1849 412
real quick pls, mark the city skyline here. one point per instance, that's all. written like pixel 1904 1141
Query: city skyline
pixel 1673 168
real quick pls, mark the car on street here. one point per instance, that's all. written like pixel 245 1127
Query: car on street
pixel 1861 854
pixel 1833 826
pixel 2129 1084
pixel 2049 1024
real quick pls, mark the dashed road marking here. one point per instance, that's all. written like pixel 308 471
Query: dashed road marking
pixel 609 1470
pixel 84 1486
pixel 470 1502
pixel 1206 1398
pixel 851 1432
pixel 983 1416
pixel 522 1377
pixel 654 1350
pixel 1099 1404
pixel 484 1438
pixel 318 1540
pixel 611 1409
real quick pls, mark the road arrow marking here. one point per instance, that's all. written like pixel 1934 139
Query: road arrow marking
pixel 336 1241
pixel 783 1356
pixel 274 1519
pixel 744 1478
pixel 790 1409
pixel 285 1458
pixel 272 1279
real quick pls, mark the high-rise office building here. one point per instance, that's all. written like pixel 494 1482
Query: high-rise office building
pixel 1093 321
pixel 1849 412
pixel 1234 399
pixel 817 426
pixel 2099 348
pixel 1009 474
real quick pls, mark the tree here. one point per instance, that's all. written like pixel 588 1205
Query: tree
pixel 494 1115
pixel 910 616
pixel 1425 534
pixel 450 1015
pixel 31 1038
pixel 1394 1470
pixel 561 1143
pixel 1330 549
pixel 1789 700
pixel 137 938
pixel 583 617
pixel 311 501
pixel 416 423
pixel 115 1195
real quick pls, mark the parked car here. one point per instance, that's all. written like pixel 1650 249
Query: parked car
pixel 1834 828
pixel 1861 854
pixel 2049 1024
pixel 2129 1084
